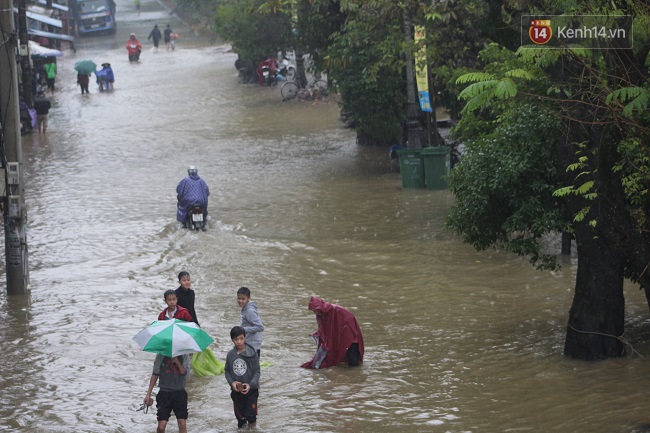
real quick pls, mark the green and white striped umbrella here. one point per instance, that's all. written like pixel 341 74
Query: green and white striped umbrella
pixel 172 338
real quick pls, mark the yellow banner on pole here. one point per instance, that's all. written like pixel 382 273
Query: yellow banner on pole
pixel 421 70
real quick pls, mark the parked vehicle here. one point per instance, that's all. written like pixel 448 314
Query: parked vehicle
pixel 267 73
pixel 95 16
pixel 286 69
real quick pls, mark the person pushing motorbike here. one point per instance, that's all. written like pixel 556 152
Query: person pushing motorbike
pixel 190 192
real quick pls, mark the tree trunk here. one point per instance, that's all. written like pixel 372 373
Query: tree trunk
pixel 566 243
pixel 597 314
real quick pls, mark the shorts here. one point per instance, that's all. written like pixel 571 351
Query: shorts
pixel 245 406
pixel 166 401
pixel 50 83
pixel 41 121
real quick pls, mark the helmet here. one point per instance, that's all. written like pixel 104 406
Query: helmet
pixel 192 170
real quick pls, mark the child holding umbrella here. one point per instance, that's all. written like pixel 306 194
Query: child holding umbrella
pixel 172 374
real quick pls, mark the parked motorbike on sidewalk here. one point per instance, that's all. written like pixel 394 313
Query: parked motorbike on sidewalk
pixel 286 69
pixel 267 73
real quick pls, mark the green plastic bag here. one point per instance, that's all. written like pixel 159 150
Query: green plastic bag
pixel 206 364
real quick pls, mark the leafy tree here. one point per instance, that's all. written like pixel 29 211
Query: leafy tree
pixel 255 32
pixel 600 98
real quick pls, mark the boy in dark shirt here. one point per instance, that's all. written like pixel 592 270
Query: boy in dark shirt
pixel 242 372
pixel 185 295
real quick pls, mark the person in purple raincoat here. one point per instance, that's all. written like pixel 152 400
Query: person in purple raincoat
pixel 191 191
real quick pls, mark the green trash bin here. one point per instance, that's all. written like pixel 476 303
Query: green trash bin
pixel 436 166
pixel 411 168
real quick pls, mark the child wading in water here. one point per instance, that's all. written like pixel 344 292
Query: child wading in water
pixel 250 320
pixel 173 311
pixel 185 296
pixel 243 374
pixel 171 373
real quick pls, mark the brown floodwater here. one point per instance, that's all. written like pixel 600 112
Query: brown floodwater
pixel 456 340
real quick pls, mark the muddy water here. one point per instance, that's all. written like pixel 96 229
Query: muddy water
pixel 456 341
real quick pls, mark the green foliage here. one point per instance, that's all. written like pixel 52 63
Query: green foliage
pixel 497 82
pixel 367 65
pixel 638 95
pixel 634 169
pixel 586 190
pixel 473 77
pixel 371 91
pixel 504 184
pixel 255 33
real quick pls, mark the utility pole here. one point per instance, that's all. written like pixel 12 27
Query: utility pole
pixel 13 209
pixel 25 66
pixel 414 126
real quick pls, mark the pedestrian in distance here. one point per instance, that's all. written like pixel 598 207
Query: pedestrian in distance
pixel 242 372
pixel 171 375
pixel 250 320
pixel 83 80
pixel 185 295
pixel 173 310
pixel 167 35
pixel 155 35
pixel 42 106
pixel 137 6
pixel 50 74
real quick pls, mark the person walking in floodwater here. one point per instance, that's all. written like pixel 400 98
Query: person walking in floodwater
pixel 83 80
pixel 242 372
pixel 50 73
pixel 185 296
pixel 168 36
pixel 155 35
pixel 42 106
pixel 173 310
pixel 171 376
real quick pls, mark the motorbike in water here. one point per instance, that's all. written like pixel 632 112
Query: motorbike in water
pixel 196 218
pixel 134 52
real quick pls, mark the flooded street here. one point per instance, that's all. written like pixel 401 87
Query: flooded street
pixel 456 341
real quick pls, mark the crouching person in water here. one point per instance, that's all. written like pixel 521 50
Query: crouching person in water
pixel 242 372
pixel 338 337
pixel 172 375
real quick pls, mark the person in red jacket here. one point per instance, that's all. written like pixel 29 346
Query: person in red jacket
pixel 134 47
pixel 174 311
pixel 338 337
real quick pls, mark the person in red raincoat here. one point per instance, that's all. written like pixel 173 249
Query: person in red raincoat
pixel 134 47
pixel 338 336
